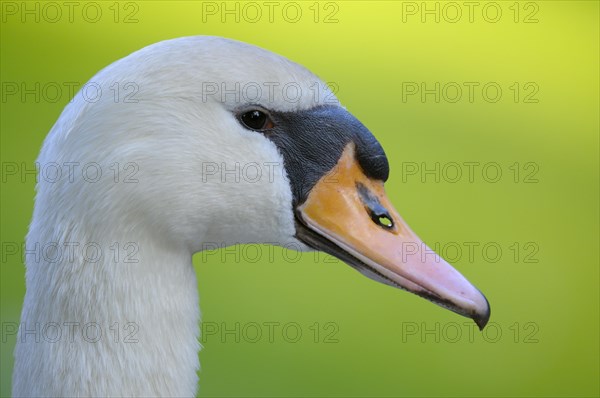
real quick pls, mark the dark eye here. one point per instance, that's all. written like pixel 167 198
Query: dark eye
pixel 256 120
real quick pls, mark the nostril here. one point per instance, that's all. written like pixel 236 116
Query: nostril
pixel 385 221
pixel 377 212
pixel 381 217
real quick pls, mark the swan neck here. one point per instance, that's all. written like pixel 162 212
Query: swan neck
pixel 127 311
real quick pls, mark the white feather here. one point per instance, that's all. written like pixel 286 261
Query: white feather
pixel 166 140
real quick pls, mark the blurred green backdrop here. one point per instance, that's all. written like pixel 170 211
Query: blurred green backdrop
pixel 374 340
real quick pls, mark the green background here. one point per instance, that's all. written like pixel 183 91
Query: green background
pixel 549 297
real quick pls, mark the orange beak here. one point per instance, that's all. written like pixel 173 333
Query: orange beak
pixel 349 216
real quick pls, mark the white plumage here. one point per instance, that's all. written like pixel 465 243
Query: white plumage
pixel 170 134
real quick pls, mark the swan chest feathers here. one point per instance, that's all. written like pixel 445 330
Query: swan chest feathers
pixel 225 143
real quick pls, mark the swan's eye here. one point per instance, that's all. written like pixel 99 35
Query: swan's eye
pixel 256 120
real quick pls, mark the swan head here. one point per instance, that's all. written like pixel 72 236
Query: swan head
pixel 207 140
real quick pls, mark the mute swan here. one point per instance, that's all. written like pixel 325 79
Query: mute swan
pixel 198 101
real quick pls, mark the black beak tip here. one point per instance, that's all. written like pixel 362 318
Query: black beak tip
pixel 482 319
